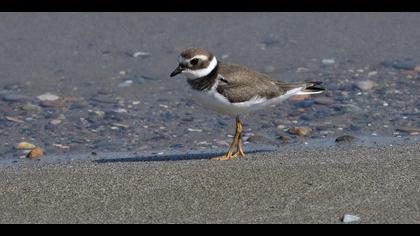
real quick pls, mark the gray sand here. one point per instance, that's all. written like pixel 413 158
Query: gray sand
pixel 86 57
pixel 312 185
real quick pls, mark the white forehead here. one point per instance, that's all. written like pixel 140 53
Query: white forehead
pixel 201 57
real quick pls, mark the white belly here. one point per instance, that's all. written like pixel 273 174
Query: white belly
pixel 213 100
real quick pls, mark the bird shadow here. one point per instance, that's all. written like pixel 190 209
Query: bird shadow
pixel 172 157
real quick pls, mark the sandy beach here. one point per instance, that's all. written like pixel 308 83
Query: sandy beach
pixel 378 184
pixel 122 142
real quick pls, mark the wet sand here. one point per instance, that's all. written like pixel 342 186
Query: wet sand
pixel 111 74
pixel 312 185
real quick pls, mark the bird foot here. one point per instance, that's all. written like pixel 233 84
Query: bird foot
pixel 227 157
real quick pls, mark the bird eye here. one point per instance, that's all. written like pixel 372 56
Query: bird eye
pixel 194 61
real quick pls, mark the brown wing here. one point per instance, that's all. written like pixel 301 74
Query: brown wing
pixel 240 84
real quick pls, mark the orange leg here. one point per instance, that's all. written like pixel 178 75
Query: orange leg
pixel 237 141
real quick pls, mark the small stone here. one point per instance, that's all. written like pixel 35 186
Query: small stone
pixel 25 146
pixel 324 101
pixel 365 85
pixel 141 54
pixel 203 143
pixel 31 107
pixel 61 146
pixel 120 110
pixel 350 218
pixel 372 73
pixel 301 69
pixel 14 119
pixel 125 84
pixel 56 122
pixel 36 153
pixel 399 65
pixel 409 73
pixel 121 125
pixel 345 139
pixel 300 131
pixel 300 97
pixel 281 127
pixel 164 106
pixel 410 130
pixel 417 68
pixel 328 61
pixel 104 99
pixel 194 130
pixel 271 40
pixel 53 104
pixel 48 97
pixel 15 98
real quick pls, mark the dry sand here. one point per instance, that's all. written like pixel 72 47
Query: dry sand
pixel 312 185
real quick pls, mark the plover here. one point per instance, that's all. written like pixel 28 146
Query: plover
pixel 234 89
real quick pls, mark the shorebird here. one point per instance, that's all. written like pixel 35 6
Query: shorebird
pixel 234 89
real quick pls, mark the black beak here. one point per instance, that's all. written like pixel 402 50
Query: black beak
pixel 178 70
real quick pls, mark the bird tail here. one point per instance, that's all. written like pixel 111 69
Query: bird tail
pixel 312 88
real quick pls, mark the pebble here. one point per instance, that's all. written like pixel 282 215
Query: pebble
pixel 48 97
pixel 399 65
pixel 31 107
pixel 61 146
pixel 24 146
pixel 372 73
pixel 301 69
pixel 53 104
pixel 300 97
pixel 350 218
pixel 270 40
pixel 300 131
pixel 141 54
pixel 365 85
pixel 16 98
pixel 121 125
pixel 409 73
pixel 56 122
pixel 14 119
pixel 328 61
pixel 282 127
pixel 120 110
pixel 36 153
pixel 345 139
pixel 324 101
pixel 194 130
pixel 410 130
pixel 125 84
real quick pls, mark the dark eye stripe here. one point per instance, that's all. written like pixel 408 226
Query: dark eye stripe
pixel 194 61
